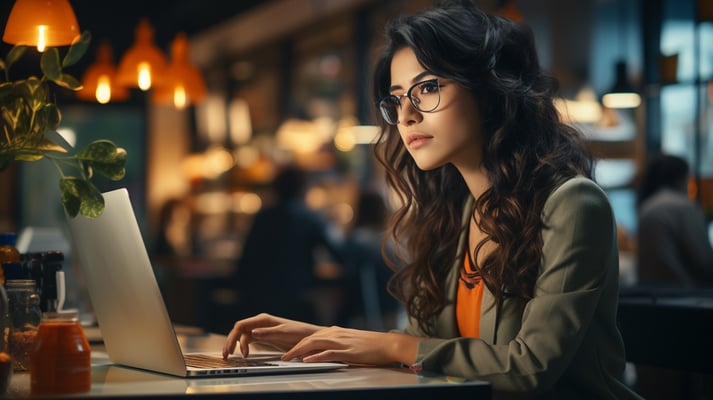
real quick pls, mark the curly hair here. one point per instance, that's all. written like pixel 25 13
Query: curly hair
pixel 527 153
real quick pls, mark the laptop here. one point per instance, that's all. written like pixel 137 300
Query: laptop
pixel 132 316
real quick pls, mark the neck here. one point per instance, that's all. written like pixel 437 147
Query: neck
pixel 476 179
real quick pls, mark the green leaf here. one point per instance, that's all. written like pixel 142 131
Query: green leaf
pixel 49 117
pixel 70 195
pixel 49 63
pixel 80 196
pixel 104 157
pixel 68 81
pixel 15 54
pixel 5 89
pixel 77 49
pixel 46 145
pixel 32 90
pixel 28 157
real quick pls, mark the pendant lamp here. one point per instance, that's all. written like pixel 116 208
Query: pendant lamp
pixel 143 65
pixel 184 83
pixel 622 94
pixel 41 23
pixel 99 82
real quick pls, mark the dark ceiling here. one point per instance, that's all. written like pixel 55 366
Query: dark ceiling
pixel 116 21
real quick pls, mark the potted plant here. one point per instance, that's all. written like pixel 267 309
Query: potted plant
pixel 29 119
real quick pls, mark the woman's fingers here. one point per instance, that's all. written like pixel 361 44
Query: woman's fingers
pixel 242 332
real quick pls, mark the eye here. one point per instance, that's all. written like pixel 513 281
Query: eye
pixel 429 87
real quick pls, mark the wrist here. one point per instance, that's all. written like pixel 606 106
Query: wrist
pixel 403 348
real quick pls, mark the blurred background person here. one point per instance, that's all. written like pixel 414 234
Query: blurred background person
pixel 275 272
pixel 368 304
pixel 673 244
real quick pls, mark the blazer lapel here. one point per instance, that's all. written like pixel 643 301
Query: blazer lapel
pixel 488 317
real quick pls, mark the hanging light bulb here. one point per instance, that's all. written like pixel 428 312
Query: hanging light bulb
pixel 99 81
pixel 184 83
pixel 143 65
pixel 41 23
pixel 622 94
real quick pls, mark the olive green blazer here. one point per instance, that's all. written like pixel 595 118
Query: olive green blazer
pixel 564 343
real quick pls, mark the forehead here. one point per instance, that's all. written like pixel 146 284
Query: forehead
pixel 405 68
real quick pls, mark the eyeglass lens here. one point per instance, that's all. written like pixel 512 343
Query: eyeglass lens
pixel 424 96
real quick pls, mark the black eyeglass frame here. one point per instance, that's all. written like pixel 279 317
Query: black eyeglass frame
pixel 396 99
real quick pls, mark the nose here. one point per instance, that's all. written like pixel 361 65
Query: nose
pixel 408 114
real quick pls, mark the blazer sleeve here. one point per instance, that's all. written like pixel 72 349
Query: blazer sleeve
pixel 579 260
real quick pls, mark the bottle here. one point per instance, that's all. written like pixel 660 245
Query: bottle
pixel 60 363
pixel 46 269
pixel 8 251
pixel 25 317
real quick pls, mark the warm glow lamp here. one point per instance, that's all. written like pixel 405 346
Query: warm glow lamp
pixel 143 65
pixel 41 23
pixel 184 83
pixel 99 81
pixel 622 94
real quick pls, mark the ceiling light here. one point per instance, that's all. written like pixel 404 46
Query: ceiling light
pixel 41 24
pixel 184 83
pixel 143 65
pixel 99 81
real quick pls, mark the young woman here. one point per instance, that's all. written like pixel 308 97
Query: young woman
pixel 511 268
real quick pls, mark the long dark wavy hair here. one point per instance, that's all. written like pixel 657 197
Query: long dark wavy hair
pixel 527 153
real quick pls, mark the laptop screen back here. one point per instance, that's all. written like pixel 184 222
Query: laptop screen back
pixel 125 296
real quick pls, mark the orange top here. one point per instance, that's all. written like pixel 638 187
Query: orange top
pixel 468 301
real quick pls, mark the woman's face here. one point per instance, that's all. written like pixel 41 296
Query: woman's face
pixel 449 134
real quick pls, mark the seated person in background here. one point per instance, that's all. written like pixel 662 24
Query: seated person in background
pixel 673 244
pixel 365 269
pixel 275 272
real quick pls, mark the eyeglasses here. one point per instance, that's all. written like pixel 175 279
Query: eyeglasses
pixel 426 98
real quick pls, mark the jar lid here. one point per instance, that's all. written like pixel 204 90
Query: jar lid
pixel 8 238
pixel 20 282
pixel 65 315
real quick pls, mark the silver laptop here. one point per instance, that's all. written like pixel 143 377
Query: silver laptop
pixel 129 308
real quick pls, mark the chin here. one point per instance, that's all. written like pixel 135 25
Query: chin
pixel 428 165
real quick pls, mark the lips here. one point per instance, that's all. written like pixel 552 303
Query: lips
pixel 416 140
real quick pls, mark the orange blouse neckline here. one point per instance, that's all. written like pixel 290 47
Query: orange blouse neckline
pixel 468 300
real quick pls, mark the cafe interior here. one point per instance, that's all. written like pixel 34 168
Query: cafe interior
pixel 240 89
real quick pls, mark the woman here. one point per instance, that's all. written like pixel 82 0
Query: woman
pixel 511 268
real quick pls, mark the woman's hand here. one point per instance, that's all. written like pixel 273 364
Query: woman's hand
pixel 265 328
pixel 355 347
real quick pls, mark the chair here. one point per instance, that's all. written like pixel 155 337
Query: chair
pixel 668 335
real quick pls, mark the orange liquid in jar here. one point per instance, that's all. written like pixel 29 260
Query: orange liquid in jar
pixel 61 360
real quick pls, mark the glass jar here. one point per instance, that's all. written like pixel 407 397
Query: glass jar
pixel 61 360
pixel 8 251
pixel 5 359
pixel 25 317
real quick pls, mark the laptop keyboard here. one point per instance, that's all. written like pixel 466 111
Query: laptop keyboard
pixel 206 361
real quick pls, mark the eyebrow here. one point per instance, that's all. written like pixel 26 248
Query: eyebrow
pixel 415 79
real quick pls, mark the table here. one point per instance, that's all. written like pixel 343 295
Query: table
pixel 668 328
pixel 111 381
